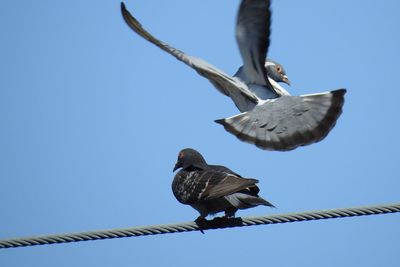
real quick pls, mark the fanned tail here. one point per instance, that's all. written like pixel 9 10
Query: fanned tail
pixel 288 122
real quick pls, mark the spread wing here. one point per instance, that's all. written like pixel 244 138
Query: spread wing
pixel 223 82
pixel 252 36
pixel 287 122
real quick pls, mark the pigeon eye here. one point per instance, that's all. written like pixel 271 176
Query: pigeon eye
pixel 279 69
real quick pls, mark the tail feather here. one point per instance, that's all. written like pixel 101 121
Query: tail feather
pixel 246 201
pixel 288 122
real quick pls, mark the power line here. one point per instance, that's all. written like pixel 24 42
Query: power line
pixel 217 223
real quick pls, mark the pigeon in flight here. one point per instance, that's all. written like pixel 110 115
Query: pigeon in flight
pixel 271 118
pixel 210 189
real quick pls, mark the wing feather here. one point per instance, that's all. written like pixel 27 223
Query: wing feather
pixel 252 36
pixel 226 84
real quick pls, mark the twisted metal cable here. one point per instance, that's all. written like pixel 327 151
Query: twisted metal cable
pixel 217 223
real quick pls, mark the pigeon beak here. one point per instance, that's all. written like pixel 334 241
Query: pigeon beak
pixel 177 166
pixel 286 80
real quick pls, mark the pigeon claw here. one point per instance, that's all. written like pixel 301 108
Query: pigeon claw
pixel 218 222
pixel 202 223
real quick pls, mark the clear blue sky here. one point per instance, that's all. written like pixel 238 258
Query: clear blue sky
pixel 92 118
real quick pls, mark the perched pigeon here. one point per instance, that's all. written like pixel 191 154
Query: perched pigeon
pixel 271 118
pixel 212 188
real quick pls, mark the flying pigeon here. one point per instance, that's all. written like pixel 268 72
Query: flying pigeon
pixel 271 118
pixel 210 189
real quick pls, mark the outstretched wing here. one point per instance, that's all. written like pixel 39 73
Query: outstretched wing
pixel 287 122
pixel 223 82
pixel 252 36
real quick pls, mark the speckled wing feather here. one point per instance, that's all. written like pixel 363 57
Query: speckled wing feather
pixel 222 184
pixel 221 168
pixel 192 186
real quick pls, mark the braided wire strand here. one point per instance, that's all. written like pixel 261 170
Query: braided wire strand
pixel 192 226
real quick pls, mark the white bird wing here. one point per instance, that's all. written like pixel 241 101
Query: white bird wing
pixel 224 83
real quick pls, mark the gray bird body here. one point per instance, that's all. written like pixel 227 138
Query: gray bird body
pixel 210 189
pixel 255 90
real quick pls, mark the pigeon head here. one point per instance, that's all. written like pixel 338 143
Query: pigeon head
pixel 190 159
pixel 276 71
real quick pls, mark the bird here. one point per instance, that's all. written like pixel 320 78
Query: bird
pixel 271 118
pixel 210 189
